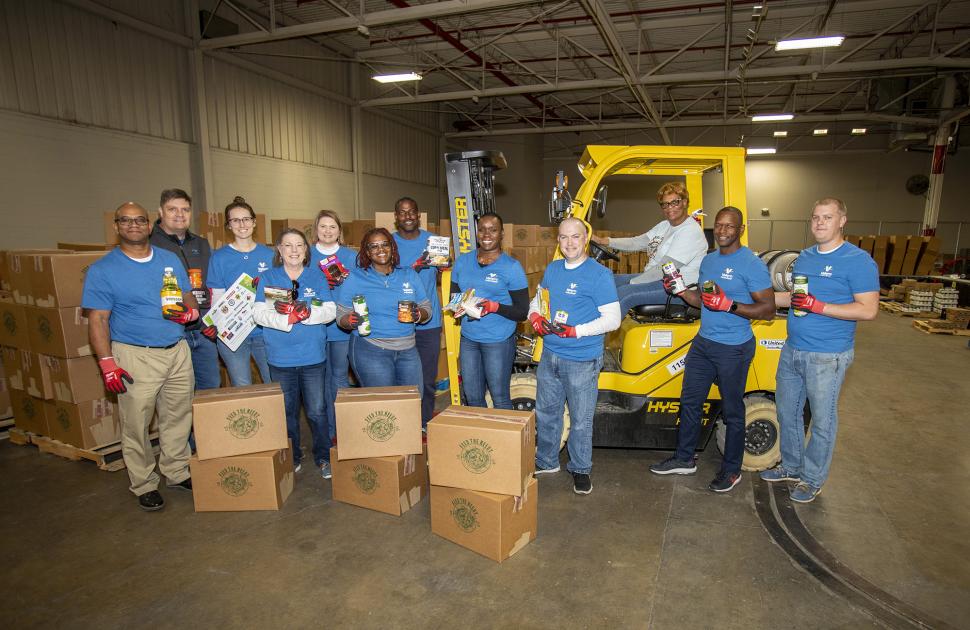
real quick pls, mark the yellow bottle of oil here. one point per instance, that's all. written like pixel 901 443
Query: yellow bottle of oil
pixel 171 293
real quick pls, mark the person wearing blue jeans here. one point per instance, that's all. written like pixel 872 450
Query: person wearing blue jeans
pixel 740 291
pixel 293 305
pixel 843 288
pixel 385 355
pixel 487 349
pixel 243 255
pixel 582 308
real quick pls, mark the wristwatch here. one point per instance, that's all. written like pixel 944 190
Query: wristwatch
pixel 734 307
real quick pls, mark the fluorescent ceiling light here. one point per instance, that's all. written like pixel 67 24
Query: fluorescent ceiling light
pixel 858 131
pixel 811 42
pixel 761 150
pixel 781 134
pixel 396 78
pixel 820 132
pixel 771 117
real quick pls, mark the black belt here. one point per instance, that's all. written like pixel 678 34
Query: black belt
pixel 168 347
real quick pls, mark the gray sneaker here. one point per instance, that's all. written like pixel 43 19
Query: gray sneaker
pixel 673 466
pixel 778 474
pixel 325 471
pixel 804 493
pixel 545 471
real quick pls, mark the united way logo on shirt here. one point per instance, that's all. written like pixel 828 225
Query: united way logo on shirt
pixel 492 277
pixel 407 288
pixel 827 273
pixel 308 292
pixel 727 274
pixel 262 267
pixel 571 289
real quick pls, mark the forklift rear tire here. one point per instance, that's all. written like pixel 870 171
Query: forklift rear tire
pixel 762 434
pixel 523 394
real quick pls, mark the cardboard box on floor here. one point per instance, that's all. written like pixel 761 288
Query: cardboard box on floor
pixel 13 326
pixel 87 425
pixel 29 413
pixel 378 421
pixel 75 380
pixel 491 450
pixel 548 236
pixel 256 481
pixel 57 280
pixel 494 525
pixel 239 420
pixel 13 368
pixel 61 332
pixel 392 485
pixel 36 375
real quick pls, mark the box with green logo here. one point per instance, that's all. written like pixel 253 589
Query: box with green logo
pixel 392 485
pixel 256 481
pixel 13 326
pixel 75 380
pixel 239 420
pixel 61 332
pixel 378 421
pixel 494 525
pixel 492 450
pixel 29 413
pixel 89 424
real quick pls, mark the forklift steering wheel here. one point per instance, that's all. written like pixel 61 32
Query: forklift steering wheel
pixel 600 253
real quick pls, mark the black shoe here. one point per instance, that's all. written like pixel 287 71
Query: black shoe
pixel 724 482
pixel 151 501
pixel 582 484
pixel 185 485
pixel 673 466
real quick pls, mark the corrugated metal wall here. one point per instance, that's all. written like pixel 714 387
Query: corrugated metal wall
pixel 395 150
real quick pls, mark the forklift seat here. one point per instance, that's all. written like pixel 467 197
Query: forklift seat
pixel 677 313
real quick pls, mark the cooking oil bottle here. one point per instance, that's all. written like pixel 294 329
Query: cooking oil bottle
pixel 171 294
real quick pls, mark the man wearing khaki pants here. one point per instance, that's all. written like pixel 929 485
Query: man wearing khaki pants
pixel 142 352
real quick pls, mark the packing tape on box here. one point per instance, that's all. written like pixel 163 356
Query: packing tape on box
pixel 485 416
pixel 26 362
pixel 345 393
pixel 409 464
pixel 15 265
pixel 521 542
pixel 79 317
pixel 38 264
pixel 519 501
pixel 414 495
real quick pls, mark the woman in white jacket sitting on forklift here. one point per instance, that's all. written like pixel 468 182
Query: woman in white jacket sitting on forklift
pixel 677 239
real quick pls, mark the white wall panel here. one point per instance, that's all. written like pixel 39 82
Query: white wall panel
pixel 394 150
pixel 380 193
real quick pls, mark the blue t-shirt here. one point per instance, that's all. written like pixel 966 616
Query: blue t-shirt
pixel 578 293
pixel 132 291
pixel 739 275
pixel 303 344
pixel 227 264
pixel 409 251
pixel 491 282
pixel 833 277
pixel 348 257
pixel 382 293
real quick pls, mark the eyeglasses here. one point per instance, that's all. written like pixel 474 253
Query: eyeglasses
pixel 295 291
pixel 373 247
pixel 242 221
pixel 129 221
pixel 673 202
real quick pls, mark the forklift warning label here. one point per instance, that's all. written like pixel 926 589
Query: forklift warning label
pixel 461 225
pixel 677 366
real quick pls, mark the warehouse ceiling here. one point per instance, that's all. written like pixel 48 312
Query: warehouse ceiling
pixel 658 72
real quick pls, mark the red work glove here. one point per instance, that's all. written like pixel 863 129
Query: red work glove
pixel 565 330
pixel 353 321
pixel 488 306
pixel 210 332
pixel 669 285
pixel 717 301
pixel 807 302
pixel 113 376
pixel 421 263
pixel 181 315
pixel 294 311
pixel 541 325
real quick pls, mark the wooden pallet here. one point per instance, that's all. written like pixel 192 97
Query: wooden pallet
pixel 939 328
pixel 106 457
pixel 5 425
pixel 897 309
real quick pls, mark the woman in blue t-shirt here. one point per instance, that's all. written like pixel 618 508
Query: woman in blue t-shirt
pixel 487 350
pixel 327 244
pixel 293 304
pixel 385 354
pixel 243 255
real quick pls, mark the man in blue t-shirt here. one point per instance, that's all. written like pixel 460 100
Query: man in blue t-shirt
pixel 736 289
pixel 583 307
pixel 138 343
pixel 843 288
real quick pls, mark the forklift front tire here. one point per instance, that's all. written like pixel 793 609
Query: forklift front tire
pixel 762 434
pixel 523 394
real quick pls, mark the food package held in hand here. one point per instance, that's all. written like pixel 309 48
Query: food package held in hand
pixel 439 251
pixel 472 308
pixel 334 270
pixel 458 300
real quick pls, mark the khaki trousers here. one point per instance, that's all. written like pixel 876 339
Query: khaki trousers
pixel 164 381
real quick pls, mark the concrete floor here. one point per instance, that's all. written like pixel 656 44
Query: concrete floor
pixel 641 551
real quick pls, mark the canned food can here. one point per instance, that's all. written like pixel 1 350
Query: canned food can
pixel 670 270
pixel 195 278
pixel 405 311
pixel 799 285
pixel 708 286
pixel 360 307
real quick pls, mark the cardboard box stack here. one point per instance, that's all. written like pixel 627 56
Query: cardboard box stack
pixel 212 227
pixel 243 460
pixel 483 493
pixel 380 462
pixel 900 255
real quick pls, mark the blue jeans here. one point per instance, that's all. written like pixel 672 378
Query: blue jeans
pixel 635 294
pixel 338 362
pixel 709 362
pixel 560 381
pixel 817 376
pixel 487 363
pixel 377 367
pixel 303 386
pixel 237 363
pixel 428 343
pixel 205 360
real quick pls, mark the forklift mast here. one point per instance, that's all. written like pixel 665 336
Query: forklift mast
pixel 470 194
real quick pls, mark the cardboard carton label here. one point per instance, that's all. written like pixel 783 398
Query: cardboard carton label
pixel 44 327
pixel 475 455
pixel 27 406
pixel 380 425
pixel 9 323
pixel 63 418
pixel 366 479
pixel 243 423
pixel 465 514
pixel 234 481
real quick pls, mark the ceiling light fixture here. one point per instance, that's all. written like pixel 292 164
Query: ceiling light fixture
pixel 811 42
pixel 820 132
pixel 781 134
pixel 771 117
pixel 858 131
pixel 761 150
pixel 397 78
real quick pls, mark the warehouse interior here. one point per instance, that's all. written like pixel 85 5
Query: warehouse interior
pixel 108 101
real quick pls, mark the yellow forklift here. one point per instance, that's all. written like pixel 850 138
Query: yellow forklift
pixel 639 387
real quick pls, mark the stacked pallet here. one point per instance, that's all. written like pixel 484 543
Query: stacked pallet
pixel 900 255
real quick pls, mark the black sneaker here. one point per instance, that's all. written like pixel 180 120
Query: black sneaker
pixel 151 501
pixel 724 482
pixel 673 466
pixel 582 484
pixel 185 485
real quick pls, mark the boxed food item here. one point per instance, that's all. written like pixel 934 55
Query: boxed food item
pixel 13 326
pixel 492 450
pixel 493 525
pixel 378 421
pixel 239 420
pixel 57 280
pixel 61 332
pixel 75 380
pixel 278 225
pixel 392 484
pixel 29 413
pixel 257 481
pixel 89 424
pixel 36 375
pixel 13 368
